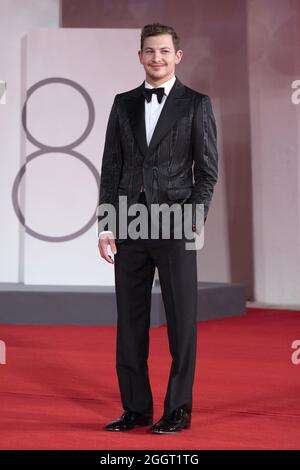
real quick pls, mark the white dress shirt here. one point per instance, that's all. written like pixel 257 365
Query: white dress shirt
pixel 152 113
pixel 154 108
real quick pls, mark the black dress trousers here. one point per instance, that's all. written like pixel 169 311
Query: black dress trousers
pixel 134 265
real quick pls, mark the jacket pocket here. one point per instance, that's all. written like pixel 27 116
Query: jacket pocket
pixel 122 191
pixel 183 192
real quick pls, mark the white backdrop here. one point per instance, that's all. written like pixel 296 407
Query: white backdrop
pixel 60 191
pixel 16 18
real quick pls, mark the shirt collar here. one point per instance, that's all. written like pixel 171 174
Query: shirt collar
pixel 166 85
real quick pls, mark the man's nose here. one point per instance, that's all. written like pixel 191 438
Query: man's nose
pixel 157 56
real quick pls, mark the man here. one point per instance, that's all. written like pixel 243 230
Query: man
pixel 160 147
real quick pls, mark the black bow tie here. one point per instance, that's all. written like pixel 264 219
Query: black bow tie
pixel 148 92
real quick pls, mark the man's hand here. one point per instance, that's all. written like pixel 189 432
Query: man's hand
pixel 107 239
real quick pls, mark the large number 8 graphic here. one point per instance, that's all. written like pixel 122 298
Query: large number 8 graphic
pixel 67 149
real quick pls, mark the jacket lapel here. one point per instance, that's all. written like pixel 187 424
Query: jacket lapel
pixel 136 111
pixel 173 108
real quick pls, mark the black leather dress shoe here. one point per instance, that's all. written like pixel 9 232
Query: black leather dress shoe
pixel 174 422
pixel 129 420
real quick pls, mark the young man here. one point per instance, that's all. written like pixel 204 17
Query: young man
pixel 160 147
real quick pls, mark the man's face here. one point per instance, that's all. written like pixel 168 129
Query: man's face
pixel 159 58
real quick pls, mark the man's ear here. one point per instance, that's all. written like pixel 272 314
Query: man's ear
pixel 179 55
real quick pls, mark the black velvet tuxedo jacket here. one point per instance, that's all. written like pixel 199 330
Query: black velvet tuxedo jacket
pixel 179 165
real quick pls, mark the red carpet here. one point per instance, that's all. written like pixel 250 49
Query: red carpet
pixel 59 387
